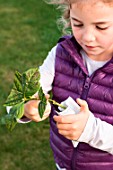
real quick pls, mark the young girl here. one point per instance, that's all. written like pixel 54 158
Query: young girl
pixel 81 66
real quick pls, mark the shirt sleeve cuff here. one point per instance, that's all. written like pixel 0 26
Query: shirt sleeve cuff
pixel 24 120
pixel 87 134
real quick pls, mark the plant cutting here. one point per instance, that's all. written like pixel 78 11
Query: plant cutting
pixel 24 87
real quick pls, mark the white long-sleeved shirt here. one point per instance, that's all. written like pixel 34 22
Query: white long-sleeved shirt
pixel 97 133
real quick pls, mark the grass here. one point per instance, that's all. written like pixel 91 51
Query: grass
pixel 27 32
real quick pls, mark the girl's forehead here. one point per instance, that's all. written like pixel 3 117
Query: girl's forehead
pixel 91 3
pixel 98 11
pixel 107 2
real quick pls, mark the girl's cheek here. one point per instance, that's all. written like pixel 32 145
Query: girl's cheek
pixel 77 34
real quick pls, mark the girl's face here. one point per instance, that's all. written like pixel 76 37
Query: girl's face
pixel 92 27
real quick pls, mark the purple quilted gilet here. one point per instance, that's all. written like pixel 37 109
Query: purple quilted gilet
pixel 71 79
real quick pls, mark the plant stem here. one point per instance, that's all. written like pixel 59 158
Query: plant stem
pixel 56 103
pixel 51 101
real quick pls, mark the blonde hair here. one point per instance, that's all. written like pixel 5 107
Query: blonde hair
pixel 64 6
pixel 63 22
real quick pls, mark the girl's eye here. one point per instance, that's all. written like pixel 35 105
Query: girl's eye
pixel 100 28
pixel 75 25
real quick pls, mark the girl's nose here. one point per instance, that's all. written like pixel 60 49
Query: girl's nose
pixel 88 36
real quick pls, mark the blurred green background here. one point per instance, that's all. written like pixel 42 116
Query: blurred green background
pixel 27 32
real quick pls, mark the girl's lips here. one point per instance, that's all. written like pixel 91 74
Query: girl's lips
pixel 90 47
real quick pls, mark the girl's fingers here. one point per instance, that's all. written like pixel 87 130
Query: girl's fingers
pixel 47 96
pixel 65 118
pixel 66 126
pixel 32 104
pixel 36 95
pixel 31 111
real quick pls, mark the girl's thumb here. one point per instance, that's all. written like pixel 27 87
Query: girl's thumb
pixel 47 96
pixel 83 104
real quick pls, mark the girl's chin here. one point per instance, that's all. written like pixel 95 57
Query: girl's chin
pixel 93 51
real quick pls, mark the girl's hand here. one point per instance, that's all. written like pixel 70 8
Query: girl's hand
pixel 72 126
pixel 31 110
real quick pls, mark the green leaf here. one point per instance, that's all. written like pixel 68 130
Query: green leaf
pixel 24 83
pixel 51 95
pixel 9 121
pixel 18 81
pixel 32 85
pixel 33 74
pixel 24 87
pixel 41 108
pixel 16 112
pixel 14 98
pixel 43 103
pixel 41 94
